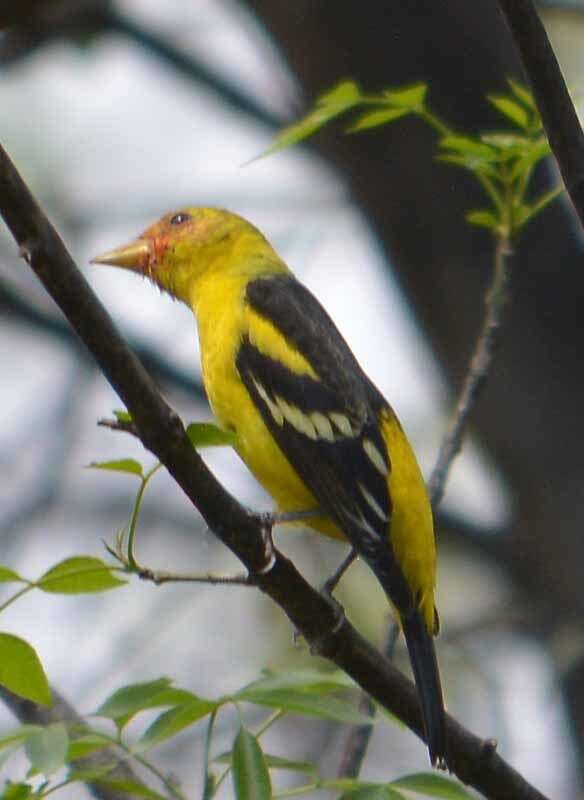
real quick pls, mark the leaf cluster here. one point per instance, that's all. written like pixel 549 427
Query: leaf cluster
pixel 503 162
pixel 59 748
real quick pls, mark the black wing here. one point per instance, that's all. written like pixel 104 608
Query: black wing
pixel 326 426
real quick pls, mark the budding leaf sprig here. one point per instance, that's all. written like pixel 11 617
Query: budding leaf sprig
pixel 503 162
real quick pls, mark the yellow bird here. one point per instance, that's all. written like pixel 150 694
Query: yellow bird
pixel 309 424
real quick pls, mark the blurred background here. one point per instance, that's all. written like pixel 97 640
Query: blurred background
pixel 117 112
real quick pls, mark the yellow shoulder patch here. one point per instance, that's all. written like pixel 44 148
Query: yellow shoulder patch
pixel 264 336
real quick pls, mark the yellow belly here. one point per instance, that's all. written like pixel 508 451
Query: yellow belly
pixel 411 530
pixel 234 409
pixel 232 405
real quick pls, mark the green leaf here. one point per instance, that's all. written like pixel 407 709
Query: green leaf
pixel 275 762
pixel 127 465
pixel 507 145
pixel 123 416
pixel 374 119
pixel 85 745
pixel 328 106
pixel 522 94
pixel 175 720
pixel 136 697
pixel 16 791
pixel 278 762
pixel 472 163
pixel 467 146
pixel 541 203
pixel 343 96
pixel 373 792
pixel 21 671
pixel 309 680
pixel 483 218
pixel 46 749
pixel 411 98
pixel 432 785
pixel 79 575
pixel 298 702
pixel 205 434
pixel 510 109
pixel 298 131
pixel 536 151
pixel 251 779
pixel 520 215
pixel 91 774
pixel 8 575
pixel 131 788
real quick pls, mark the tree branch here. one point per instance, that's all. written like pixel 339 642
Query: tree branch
pixel 188 66
pixel 474 761
pixel 480 366
pixel 553 100
pixel 12 303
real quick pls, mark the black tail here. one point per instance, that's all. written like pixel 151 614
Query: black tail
pixel 425 668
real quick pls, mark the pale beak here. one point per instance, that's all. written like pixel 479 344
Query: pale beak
pixel 135 256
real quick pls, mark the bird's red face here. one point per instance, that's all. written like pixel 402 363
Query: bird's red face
pixel 151 249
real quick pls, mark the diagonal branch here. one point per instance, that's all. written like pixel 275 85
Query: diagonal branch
pixel 329 634
pixel 553 100
pixel 21 310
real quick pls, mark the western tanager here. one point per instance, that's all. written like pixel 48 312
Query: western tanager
pixel 309 423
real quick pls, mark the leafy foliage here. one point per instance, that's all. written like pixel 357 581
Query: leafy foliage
pixel 502 162
pixel 306 691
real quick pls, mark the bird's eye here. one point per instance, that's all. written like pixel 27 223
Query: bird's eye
pixel 178 219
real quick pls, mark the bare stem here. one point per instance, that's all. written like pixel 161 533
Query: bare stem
pixel 480 365
pixel 160 577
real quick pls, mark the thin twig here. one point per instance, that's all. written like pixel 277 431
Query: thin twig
pixel 187 65
pixel 331 583
pixel 480 365
pixel 119 425
pixel 159 577
pixel 26 312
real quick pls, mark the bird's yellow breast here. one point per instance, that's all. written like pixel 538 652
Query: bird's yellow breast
pixel 223 320
pixel 220 338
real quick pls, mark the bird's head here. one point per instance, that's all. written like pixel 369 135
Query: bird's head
pixel 184 246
